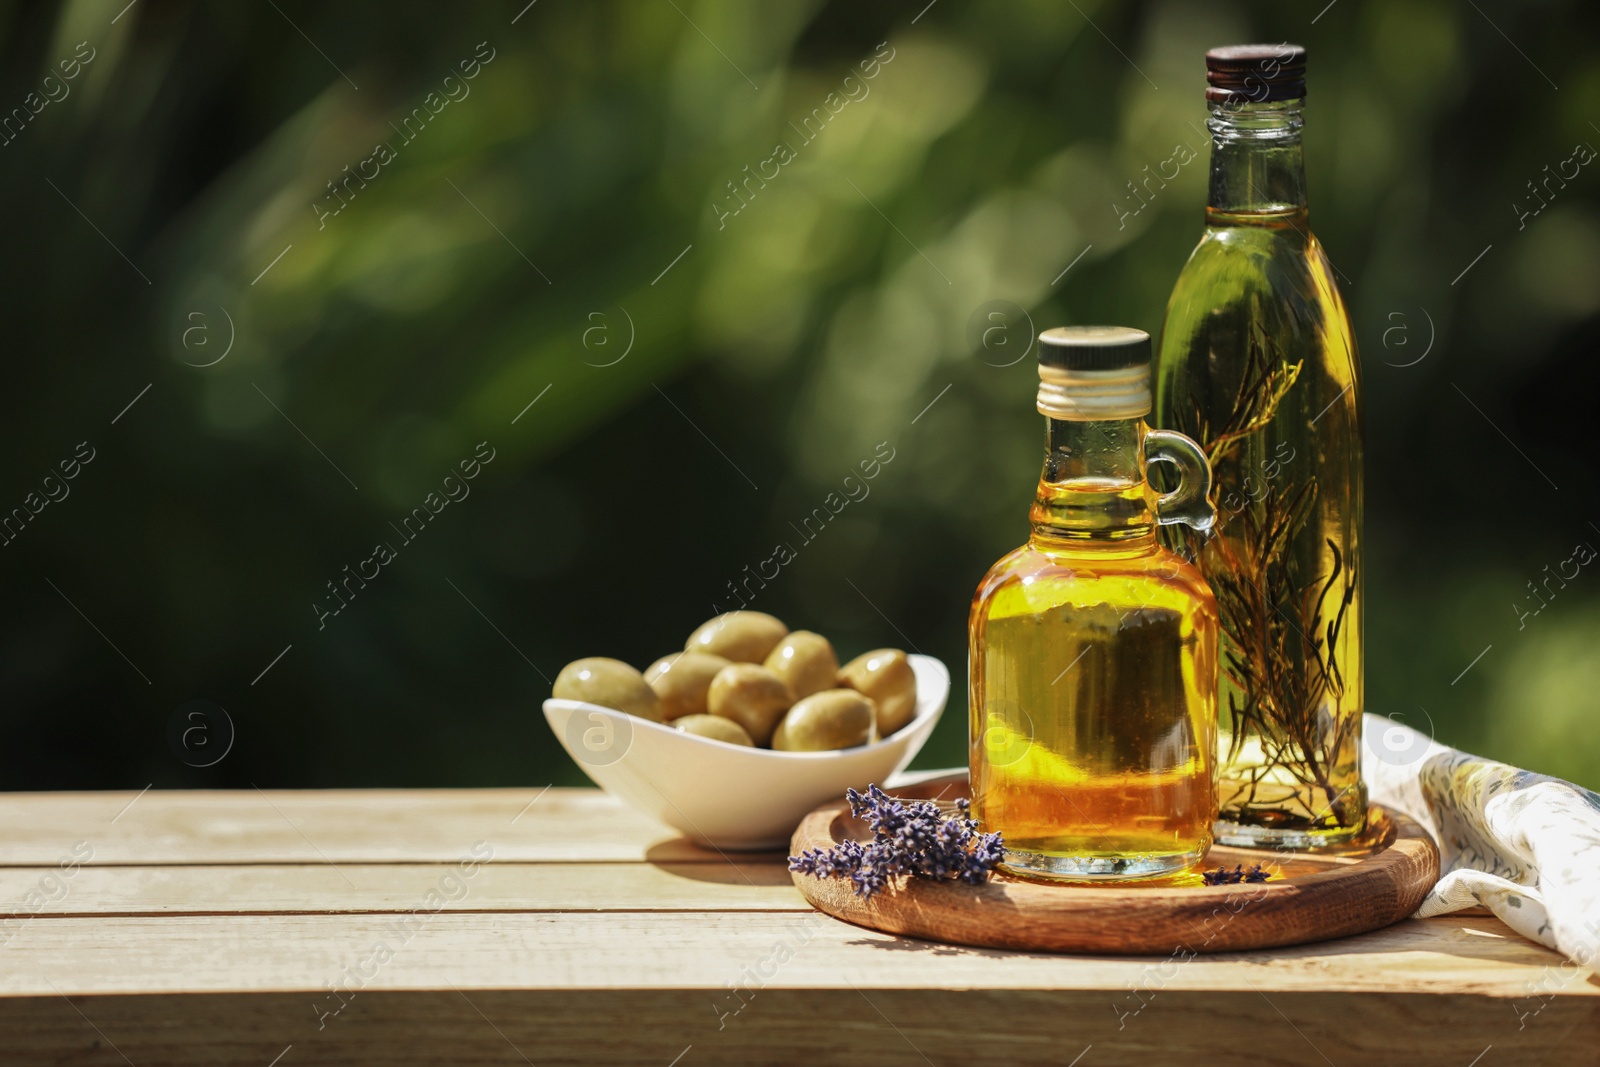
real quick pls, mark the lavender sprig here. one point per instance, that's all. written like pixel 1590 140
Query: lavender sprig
pixel 1223 876
pixel 909 837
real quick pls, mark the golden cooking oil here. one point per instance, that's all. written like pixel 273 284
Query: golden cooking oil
pixel 1093 648
pixel 1258 364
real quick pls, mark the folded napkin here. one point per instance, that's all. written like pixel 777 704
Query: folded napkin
pixel 1524 845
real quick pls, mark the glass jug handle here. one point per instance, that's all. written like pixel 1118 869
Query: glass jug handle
pixel 1190 503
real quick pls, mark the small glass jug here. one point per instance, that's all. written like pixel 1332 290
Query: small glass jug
pixel 1093 649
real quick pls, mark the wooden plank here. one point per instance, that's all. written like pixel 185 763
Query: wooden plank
pixel 884 1028
pixel 710 950
pixel 341 826
pixel 354 887
pixel 244 928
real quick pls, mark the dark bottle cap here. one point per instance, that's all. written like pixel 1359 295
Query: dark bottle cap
pixel 1256 73
pixel 1094 347
pixel 1093 373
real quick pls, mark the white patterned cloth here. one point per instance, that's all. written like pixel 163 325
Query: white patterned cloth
pixel 1524 845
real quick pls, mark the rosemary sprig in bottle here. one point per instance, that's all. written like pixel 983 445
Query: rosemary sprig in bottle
pixel 1281 625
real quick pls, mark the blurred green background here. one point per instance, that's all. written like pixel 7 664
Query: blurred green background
pixel 559 230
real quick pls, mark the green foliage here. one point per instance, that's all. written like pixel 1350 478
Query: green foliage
pixel 575 201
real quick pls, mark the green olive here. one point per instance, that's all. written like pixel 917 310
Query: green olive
pixel 885 675
pixel 715 727
pixel 610 683
pixel 681 680
pixel 806 663
pixel 833 718
pixel 751 696
pixel 740 636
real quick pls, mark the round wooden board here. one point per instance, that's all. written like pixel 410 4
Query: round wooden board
pixel 1378 880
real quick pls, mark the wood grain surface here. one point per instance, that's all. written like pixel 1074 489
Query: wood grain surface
pixel 245 928
pixel 1365 886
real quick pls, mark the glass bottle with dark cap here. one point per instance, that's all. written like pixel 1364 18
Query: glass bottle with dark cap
pixel 1258 363
pixel 1093 654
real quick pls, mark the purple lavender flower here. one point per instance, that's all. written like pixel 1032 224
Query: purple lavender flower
pixel 909 837
pixel 1223 876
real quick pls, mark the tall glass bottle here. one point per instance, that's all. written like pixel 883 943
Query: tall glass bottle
pixel 1258 363
pixel 1093 648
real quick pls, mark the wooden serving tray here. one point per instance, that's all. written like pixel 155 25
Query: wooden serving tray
pixel 1379 879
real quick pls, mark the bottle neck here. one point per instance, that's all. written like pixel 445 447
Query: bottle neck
pixel 1093 488
pixel 1256 164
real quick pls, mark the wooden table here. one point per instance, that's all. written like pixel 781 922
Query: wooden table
pixel 514 926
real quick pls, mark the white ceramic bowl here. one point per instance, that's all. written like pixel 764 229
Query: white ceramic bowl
pixel 730 796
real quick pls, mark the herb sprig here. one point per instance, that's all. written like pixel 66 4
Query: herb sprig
pixel 1223 876
pixel 1284 627
pixel 908 837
